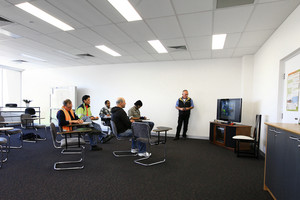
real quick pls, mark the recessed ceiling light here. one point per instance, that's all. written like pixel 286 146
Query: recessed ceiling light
pixel 107 50
pixel 33 57
pixel 44 16
pixel 125 9
pixel 9 34
pixel 218 41
pixel 157 45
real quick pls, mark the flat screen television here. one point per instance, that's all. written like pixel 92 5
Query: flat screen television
pixel 229 110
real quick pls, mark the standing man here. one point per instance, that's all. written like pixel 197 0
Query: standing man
pixel 84 112
pixel 184 105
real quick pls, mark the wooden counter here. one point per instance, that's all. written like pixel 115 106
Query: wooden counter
pixel 293 128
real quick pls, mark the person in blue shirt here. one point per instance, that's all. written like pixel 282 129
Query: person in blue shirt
pixel 184 105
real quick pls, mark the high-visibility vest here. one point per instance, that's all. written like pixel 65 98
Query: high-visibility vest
pixel 68 118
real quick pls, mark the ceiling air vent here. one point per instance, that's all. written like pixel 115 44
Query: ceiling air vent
pixel 232 3
pixel 84 55
pixel 4 22
pixel 177 48
pixel 20 61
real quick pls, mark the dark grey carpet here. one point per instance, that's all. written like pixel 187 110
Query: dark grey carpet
pixel 195 169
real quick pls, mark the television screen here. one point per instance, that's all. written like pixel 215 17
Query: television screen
pixel 229 110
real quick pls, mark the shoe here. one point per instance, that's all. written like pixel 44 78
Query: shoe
pixel 145 154
pixel 134 150
pixel 106 139
pixel 176 138
pixel 95 148
pixel 184 137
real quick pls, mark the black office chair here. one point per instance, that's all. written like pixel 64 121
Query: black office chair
pixel 14 131
pixel 254 140
pixel 123 153
pixel 142 132
pixel 3 141
pixel 28 123
pixel 76 144
pixel 30 111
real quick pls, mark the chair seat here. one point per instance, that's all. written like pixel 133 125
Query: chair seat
pixel 39 126
pixel 72 142
pixel 242 137
pixel 14 131
pixel 3 140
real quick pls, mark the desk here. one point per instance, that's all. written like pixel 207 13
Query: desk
pixel 81 131
pixel 83 124
pixel 5 123
pixel 162 129
pixel 6 128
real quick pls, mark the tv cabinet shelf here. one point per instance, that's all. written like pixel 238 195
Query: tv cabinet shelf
pixel 221 134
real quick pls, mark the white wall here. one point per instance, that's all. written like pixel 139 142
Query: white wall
pixel 157 84
pixel 283 42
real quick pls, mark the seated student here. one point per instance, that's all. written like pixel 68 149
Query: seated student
pixel 134 113
pixel 105 113
pixel 66 116
pixel 123 125
pixel 84 112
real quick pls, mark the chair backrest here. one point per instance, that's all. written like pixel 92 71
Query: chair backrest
pixel 26 122
pixel 114 128
pixel 256 132
pixel 53 132
pixel 1 119
pixel 30 111
pixel 140 130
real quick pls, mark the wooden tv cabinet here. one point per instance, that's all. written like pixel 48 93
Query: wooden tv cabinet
pixel 221 134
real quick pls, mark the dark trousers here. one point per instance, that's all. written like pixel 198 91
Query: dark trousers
pixel 185 120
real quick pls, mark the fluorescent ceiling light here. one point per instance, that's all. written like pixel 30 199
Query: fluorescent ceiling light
pixel 44 16
pixel 218 41
pixel 32 57
pixel 125 9
pixel 157 45
pixel 108 50
pixel 9 34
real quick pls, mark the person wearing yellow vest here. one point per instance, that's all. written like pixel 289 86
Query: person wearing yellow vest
pixel 84 113
pixel 66 116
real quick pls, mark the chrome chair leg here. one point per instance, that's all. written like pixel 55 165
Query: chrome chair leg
pixel 139 161
pixel 123 153
pixel 57 168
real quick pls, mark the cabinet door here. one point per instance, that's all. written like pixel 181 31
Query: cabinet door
pixel 275 161
pixel 292 167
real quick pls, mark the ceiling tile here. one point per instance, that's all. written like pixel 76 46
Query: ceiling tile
pixel 81 11
pixel 132 49
pixel 238 52
pixel 165 28
pixel 270 15
pixel 199 43
pixel 232 40
pixel 223 53
pixel 180 55
pixel 112 33
pixel 204 54
pixel 153 9
pixel 67 38
pixel 144 58
pixel 197 24
pixel 89 36
pixel 162 57
pixel 108 10
pixel 255 38
pixel 137 30
pixel 20 30
pixel 226 20
pixel 190 6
